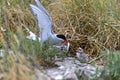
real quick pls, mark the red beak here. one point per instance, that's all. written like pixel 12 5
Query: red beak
pixel 66 41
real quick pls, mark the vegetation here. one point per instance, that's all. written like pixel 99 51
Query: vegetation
pixel 90 24
pixel 111 70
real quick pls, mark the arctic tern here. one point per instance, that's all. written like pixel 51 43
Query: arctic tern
pixel 44 22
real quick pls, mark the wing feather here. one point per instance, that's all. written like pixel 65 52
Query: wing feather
pixel 40 6
pixel 44 22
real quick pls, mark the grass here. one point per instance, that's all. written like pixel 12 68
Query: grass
pixel 16 67
pixel 111 70
pixel 90 24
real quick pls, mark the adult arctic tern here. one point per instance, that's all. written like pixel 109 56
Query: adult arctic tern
pixel 44 21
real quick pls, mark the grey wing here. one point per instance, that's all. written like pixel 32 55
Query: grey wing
pixel 44 22
pixel 40 6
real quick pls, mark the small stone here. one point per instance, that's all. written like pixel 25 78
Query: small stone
pixel 1 53
pixel 59 77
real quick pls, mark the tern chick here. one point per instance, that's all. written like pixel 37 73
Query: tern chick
pixel 81 55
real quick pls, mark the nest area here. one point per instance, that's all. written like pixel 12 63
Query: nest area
pixel 92 30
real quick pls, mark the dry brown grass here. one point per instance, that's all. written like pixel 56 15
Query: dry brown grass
pixel 16 67
pixel 87 24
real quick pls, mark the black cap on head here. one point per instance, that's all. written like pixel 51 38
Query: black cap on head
pixel 61 36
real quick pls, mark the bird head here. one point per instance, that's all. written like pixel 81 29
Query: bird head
pixel 64 40
pixel 79 50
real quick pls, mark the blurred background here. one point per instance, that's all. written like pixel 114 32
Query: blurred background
pixel 93 25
